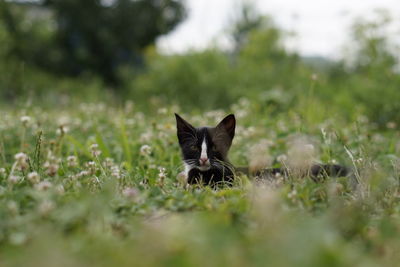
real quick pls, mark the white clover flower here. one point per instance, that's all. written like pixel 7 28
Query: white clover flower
pixel 20 157
pixel 60 189
pixel 82 174
pixel 62 130
pixel 72 161
pixel 43 186
pixel 161 174
pixel 21 160
pixel 45 207
pixel 95 150
pixel 282 158
pixel 13 207
pixel 25 119
pixel 115 172
pixel 146 136
pixel 109 162
pixel 33 177
pixel 145 150
pixel 51 168
pixel 2 171
pixel 13 179
pixel 130 193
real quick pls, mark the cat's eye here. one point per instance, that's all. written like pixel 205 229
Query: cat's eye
pixel 194 148
pixel 214 148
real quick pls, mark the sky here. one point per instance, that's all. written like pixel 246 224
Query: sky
pixel 321 26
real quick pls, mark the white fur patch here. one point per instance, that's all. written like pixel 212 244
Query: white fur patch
pixel 204 150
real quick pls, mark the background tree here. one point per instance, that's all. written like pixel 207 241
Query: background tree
pixel 90 36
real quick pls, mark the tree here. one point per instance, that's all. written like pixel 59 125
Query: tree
pixel 97 36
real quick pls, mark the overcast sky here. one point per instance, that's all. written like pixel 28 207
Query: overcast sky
pixel 321 25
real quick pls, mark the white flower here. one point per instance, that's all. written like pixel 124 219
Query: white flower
pixel 45 207
pixel 62 130
pixel 13 179
pixel 95 150
pixel 25 119
pixel 162 175
pixel 21 160
pixel 20 157
pixel 33 177
pixel 282 158
pixel 2 171
pixel 43 186
pixel 12 206
pixel 130 193
pixel 145 150
pixel 115 172
pixel 51 168
pixel 72 161
pixel 60 189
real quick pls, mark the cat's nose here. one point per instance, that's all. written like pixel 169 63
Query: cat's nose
pixel 203 161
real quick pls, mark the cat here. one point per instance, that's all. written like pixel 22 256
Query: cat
pixel 205 151
pixel 205 155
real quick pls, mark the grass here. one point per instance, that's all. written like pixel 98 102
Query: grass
pixel 100 185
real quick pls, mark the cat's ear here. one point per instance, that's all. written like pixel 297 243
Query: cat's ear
pixel 184 129
pixel 228 124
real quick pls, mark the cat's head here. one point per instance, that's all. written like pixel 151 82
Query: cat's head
pixel 205 147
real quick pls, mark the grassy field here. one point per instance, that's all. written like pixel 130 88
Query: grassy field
pixel 99 185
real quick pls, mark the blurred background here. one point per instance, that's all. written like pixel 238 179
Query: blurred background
pixel 340 57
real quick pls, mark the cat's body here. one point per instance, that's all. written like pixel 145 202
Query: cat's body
pixel 205 155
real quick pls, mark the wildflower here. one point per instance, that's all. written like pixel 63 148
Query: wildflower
pixel 21 160
pixel 62 130
pixel 91 165
pixel 146 136
pixel 72 161
pixel 60 189
pixel 2 171
pixel 43 186
pixel 46 207
pixel 259 157
pixel 130 193
pixel 13 179
pixel 51 168
pixel 33 177
pixel 109 162
pixel 161 175
pixel 95 150
pixel 282 158
pixel 13 207
pixel 115 172
pixel 314 77
pixel 145 150
pixel 25 120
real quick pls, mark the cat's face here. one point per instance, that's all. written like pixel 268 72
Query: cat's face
pixel 205 147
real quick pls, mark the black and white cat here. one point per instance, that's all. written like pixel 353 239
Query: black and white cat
pixel 205 155
pixel 205 150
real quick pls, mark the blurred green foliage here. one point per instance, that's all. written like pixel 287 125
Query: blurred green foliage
pixel 257 67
